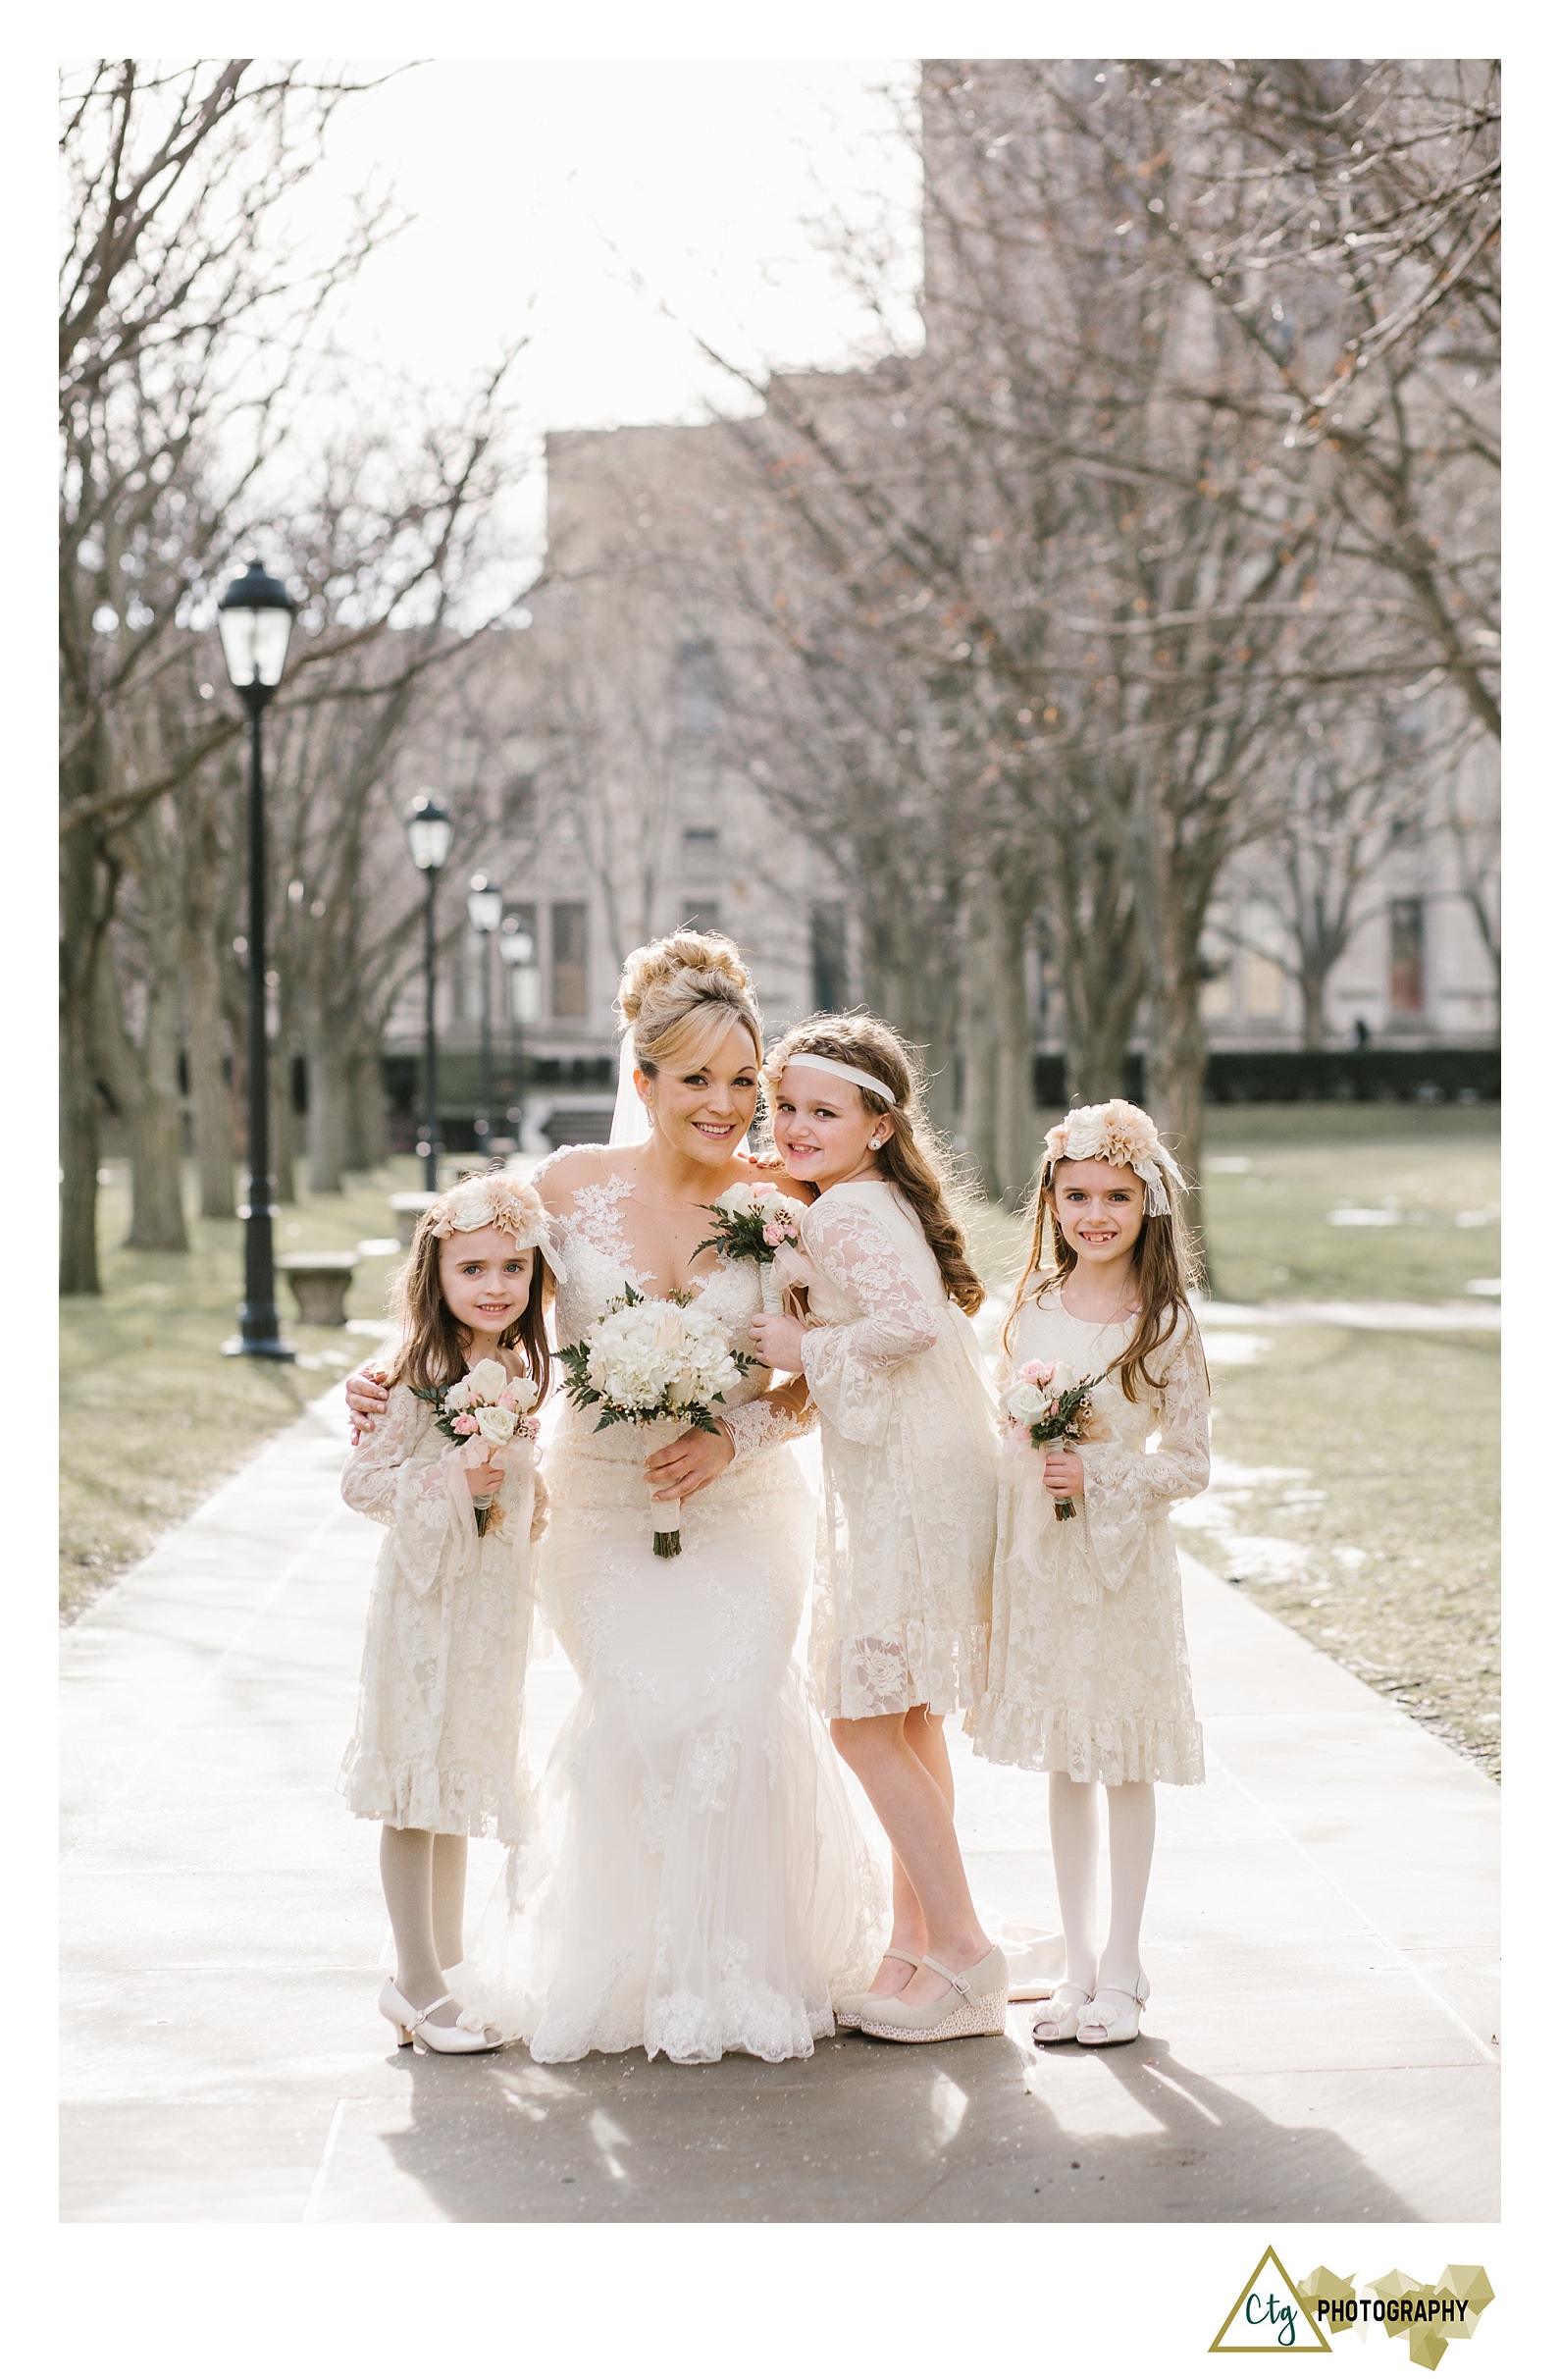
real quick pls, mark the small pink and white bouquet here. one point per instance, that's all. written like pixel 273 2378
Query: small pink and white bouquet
pixel 1049 1402
pixel 754 1219
pixel 484 1412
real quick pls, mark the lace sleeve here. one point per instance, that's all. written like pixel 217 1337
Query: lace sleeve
pixel 407 1477
pixel 770 1420
pixel 847 1363
pixel 1126 1490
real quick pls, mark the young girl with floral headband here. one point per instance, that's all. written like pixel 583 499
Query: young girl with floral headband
pixel 1088 1675
pixel 910 1450
pixel 451 1472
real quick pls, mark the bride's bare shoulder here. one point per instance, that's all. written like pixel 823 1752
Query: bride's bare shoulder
pixel 574 1168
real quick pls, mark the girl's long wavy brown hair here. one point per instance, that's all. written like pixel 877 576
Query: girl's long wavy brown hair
pixel 1165 1266
pixel 435 1349
pixel 915 1158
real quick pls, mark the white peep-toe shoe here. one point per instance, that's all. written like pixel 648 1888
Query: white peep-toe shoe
pixel 975 2001
pixel 1059 2020
pixel 848 2007
pixel 1105 2021
pixel 411 2025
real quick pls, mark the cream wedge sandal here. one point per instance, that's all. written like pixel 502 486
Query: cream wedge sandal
pixel 977 2001
pixel 848 2007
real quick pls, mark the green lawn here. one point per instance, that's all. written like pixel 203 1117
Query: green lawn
pixel 154 1415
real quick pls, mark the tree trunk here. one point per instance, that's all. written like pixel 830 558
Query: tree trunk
pixel 329 1095
pixel 1017 1134
pixel 1313 1009
pixel 284 1132
pixel 84 916
pixel 210 1093
pixel 1176 1063
pixel 368 1143
pixel 144 1080
pixel 978 1071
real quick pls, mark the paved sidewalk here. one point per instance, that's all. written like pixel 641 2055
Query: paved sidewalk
pixel 1321 1934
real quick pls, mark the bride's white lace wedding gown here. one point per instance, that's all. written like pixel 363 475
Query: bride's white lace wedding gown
pixel 694 1877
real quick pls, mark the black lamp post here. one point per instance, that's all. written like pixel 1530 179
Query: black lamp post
pixel 428 832
pixel 485 909
pixel 517 950
pixel 255 621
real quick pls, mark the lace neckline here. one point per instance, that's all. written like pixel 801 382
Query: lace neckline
pixel 596 1215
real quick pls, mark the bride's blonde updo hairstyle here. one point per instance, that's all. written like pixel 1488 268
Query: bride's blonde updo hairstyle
pixel 915 1158
pixel 679 997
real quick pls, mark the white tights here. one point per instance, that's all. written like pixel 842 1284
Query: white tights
pixel 424 1877
pixel 1075 1847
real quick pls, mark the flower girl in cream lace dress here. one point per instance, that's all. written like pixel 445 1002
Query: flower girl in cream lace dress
pixel 1088 1675
pixel 436 1755
pixel 909 1450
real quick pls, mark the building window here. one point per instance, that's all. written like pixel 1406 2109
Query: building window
pixel 1262 971
pixel 700 842
pixel 1218 961
pixel 704 916
pixel 698 690
pixel 525 983
pixel 829 985
pixel 1407 955
pixel 568 958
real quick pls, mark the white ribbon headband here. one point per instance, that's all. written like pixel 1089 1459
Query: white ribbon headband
pixel 836 1066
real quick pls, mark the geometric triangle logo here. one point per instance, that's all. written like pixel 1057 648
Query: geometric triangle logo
pixel 1268 2318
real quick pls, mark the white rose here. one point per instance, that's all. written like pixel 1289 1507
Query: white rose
pixel 1063 1377
pixel 471 1209
pixel 487 1378
pixel 738 1200
pixel 458 1398
pixel 1024 1402
pixel 496 1423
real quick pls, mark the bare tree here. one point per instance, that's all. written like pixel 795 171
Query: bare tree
pixel 174 179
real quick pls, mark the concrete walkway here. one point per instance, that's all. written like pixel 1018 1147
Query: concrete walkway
pixel 1321 1934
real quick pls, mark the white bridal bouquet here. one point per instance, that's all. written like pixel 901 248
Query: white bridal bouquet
pixel 653 1360
pixel 483 1412
pixel 754 1219
pixel 1049 1402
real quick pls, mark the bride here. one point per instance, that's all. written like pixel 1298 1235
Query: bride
pixel 694 1879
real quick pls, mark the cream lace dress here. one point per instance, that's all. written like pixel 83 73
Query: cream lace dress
pixel 1088 1667
pixel 695 1881
pixel 438 1738
pixel 902 1611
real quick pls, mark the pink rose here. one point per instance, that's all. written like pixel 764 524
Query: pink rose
pixel 775 1235
pixel 508 1398
pixel 465 1425
pixel 1039 1373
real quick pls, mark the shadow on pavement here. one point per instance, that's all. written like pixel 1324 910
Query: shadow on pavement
pixel 975 2131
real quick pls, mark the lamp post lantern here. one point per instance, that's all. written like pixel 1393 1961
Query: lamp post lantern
pixel 517 949
pixel 428 833
pixel 255 621
pixel 485 909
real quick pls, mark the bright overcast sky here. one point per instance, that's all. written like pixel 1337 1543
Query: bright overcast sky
pixel 541 188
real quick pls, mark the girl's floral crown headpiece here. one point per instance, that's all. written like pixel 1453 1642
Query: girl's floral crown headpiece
pixel 505 1203
pixel 1118 1133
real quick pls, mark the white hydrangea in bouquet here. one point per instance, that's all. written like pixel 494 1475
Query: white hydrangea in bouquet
pixel 1048 1401
pixel 751 1219
pixel 483 1413
pixel 653 1360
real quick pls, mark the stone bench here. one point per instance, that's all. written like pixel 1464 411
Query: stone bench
pixel 319 1279
pixel 408 1207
